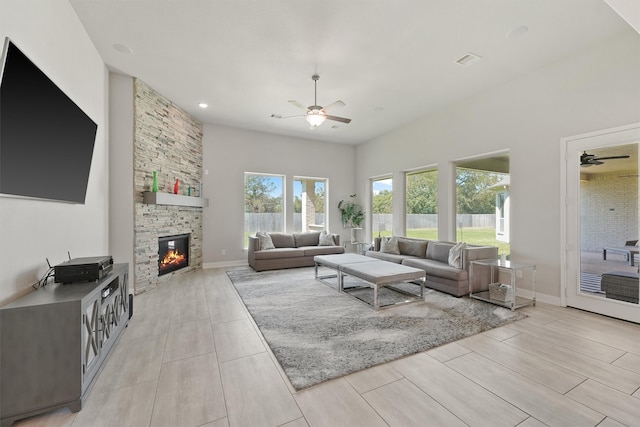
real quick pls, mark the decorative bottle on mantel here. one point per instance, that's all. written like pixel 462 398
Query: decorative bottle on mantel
pixel 154 187
pixel 175 187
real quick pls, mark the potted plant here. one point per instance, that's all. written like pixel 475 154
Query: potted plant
pixel 352 213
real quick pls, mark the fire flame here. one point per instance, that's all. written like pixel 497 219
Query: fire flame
pixel 172 257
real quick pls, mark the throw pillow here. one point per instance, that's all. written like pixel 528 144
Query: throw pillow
pixel 389 245
pixel 265 240
pixel 326 239
pixel 455 254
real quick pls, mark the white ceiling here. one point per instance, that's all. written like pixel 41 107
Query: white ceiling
pixel 390 61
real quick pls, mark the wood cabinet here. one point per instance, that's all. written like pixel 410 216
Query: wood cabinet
pixel 54 342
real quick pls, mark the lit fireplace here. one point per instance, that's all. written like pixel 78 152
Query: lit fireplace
pixel 173 253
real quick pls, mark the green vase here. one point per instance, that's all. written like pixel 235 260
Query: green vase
pixel 155 182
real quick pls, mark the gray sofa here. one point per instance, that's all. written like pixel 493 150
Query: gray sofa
pixel 291 250
pixel 433 257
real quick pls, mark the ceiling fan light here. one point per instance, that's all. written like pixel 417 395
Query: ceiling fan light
pixel 315 118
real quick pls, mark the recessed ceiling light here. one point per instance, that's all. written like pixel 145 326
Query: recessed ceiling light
pixel 468 59
pixel 123 49
pixel 203 105
pixel 516 32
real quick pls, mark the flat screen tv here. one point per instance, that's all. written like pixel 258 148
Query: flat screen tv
pixel 46 140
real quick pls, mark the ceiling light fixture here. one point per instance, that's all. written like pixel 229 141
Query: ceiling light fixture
pixel 315 117
pixel 203 105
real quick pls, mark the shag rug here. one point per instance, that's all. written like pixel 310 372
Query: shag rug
pixel 317 333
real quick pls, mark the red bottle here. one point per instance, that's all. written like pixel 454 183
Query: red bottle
pixel 175 187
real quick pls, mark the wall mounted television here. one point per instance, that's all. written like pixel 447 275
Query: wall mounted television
pixel 46 140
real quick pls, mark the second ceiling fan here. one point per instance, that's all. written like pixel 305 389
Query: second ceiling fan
pixel 316 114
pixel 587 160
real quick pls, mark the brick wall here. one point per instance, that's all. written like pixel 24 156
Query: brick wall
pixel 609 210
pixel 169 141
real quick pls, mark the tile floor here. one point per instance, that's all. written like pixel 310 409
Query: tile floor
pixel 192 356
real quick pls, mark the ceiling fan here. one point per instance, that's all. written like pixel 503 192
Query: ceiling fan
pixel 316 114
pixel 587 160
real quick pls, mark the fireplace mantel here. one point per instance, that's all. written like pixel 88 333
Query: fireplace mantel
pixel 153 198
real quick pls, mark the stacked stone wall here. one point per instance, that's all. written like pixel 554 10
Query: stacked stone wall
pixel 169 141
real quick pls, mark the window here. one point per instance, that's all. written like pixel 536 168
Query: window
pixel 263 204
pixel 422 204
pixel 382 206
pixel 309 202
pixel 478 209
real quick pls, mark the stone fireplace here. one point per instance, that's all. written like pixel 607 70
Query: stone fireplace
pixel 168 141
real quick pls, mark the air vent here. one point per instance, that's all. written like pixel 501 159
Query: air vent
pixel 468 59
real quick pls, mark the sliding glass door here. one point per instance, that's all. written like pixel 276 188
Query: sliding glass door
pixel 600 186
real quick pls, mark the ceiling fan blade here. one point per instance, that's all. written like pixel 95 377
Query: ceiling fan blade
pixel 334 105
pixel 338 119
pixel 297 104
pixel 278 116
pixel 611 157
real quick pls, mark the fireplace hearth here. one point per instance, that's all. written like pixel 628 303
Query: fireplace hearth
pixel 173 253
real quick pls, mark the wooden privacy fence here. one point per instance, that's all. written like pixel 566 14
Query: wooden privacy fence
pixel 273 221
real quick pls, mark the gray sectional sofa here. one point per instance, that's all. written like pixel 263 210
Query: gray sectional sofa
pixel 290 250
pixel 433 257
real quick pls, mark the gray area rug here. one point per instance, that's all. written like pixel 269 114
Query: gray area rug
pixel 317 333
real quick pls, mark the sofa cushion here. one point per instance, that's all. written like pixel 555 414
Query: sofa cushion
pixel 413 247
pixel 326 239
pixel 279 253
pixel 322 250
pixel 265 240
pixel 389 245
pixel 387 257
pixel 439 251
pixel 282 240
pixel 437 268
pixel 311 238
pixel 455 254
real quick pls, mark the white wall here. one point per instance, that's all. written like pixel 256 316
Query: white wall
pixel 595 89
pixel 228 153
pixel 51 35
pixel 121 183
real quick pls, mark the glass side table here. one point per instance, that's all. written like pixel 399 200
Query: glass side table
pixel 500 293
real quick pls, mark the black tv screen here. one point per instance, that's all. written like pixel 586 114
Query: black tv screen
pixel 46 140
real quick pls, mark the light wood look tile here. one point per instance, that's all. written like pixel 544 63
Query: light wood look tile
pixel 187 339
pixel 454 392
pixel 555 335
pixel 147 323
pixel 553 409
pixel 534 368
pixel 403 404
pixel 189 393
pixel 132 362
pixel 448 352
pixel 300 422
pixel 255 394
pixel 532 422
pixel 608 422
pixel 336 403
pixel 189 310
pixel 222 422
pixel 614 404
pixel 236 339
pixel 371 378
pixel 226 310
pixel 629 361
pixel 502 333
pixel 613 376
pixel 59 418
pixel 128 406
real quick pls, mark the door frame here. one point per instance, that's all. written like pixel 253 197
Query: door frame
pixel 570 221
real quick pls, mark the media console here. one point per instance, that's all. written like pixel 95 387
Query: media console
pixel 55 341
